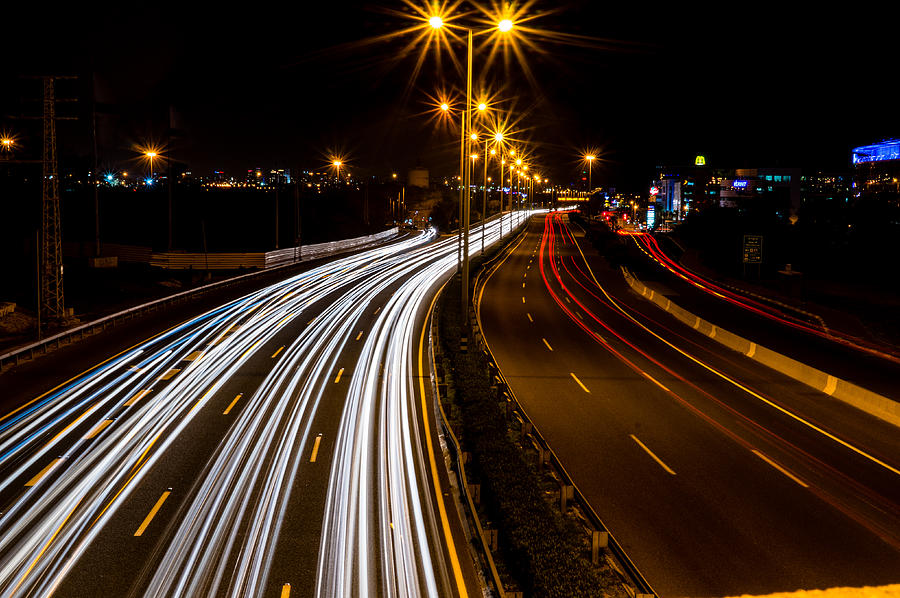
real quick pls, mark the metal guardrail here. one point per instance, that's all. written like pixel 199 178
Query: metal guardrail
pixel 179 260
pixel 457 456
pixel 309 252
pixel 639 586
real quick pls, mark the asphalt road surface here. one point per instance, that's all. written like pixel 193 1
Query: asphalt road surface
pixel 282 444
pixel 717 475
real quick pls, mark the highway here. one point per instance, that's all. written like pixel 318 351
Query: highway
pixel 282 444
pixel 718 476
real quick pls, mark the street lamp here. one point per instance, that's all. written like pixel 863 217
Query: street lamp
pixel 512 171
pixel 590 160
pixel 519 191
pixel 337 166
pixel 150 155
pixel 505 26
pixel 518 186
pixel 512 166
pixel 498 138
pixel 502 169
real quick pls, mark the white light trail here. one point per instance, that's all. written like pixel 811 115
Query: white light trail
pixel 379 532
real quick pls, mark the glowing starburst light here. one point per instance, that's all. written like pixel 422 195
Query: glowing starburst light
pixel 151 154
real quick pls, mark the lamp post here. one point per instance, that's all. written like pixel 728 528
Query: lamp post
pixel 590 160
pixel 436 23
pixel 337 166
pixel 512 168
pixel 484 194
pixel 518 188
pixel 512 171
pixel 464 294
pixel 502 169
pixel 150 155
pixel 527 194
pixel 498 139
pixel 504 26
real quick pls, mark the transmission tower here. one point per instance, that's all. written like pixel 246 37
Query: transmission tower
pixel 52 298
pixel 51 304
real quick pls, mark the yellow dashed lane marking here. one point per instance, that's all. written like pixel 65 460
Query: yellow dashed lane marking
pixel 152 513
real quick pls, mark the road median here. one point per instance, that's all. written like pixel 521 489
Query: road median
pixel 872 403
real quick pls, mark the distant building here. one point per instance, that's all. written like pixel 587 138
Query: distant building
pixel 282 176
pixel 876 169
pixel 821 186
pixel 682 188
pixel 779 186
pixel 418 177
pixel 254 176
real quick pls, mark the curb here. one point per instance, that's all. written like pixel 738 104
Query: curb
pixel 872 403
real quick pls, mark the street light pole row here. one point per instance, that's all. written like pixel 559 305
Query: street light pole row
pixel 467 120
pixel 465 178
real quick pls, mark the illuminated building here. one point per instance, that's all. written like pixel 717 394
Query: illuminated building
pixel 254 176
pixel 777 187
pixel 824 186
pixel 877 169
pixel 281 175
pixel 686 187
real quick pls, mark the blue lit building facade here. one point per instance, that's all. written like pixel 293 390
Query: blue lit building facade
pixel 876 170
pixel 884 151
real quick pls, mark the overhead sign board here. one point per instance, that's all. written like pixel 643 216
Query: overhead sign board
pixel 753 249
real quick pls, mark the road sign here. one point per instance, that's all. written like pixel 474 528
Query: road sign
pixel 753 249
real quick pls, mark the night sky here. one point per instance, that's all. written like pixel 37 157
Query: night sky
pixel 747 85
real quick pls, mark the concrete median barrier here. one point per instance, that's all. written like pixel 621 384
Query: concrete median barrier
pixel 847 392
